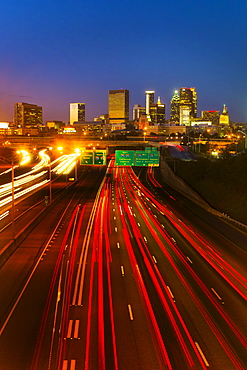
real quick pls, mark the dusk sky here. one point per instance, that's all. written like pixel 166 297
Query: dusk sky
pixel 54 52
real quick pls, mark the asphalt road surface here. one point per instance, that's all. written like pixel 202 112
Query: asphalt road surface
pixel 124 273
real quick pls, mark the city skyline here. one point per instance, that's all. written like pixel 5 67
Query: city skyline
pixel 167 106
pixel 52 58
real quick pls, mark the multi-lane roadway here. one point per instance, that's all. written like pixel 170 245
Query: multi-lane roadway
pixel 124 273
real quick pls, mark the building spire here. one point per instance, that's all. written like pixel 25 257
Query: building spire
pixel 224 109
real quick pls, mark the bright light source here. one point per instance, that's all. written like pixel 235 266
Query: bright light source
pixel 215 153
pixel 25 157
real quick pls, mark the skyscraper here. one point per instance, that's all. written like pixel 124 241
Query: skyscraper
pixel 138 111
pixel 224 117
pixel 77 112
pixel 174 110
pixel 149 100
pixel 118 106
pixel 212 116
pixel 157 113
pixel 184 115
pixel 27 115
pixel 188 98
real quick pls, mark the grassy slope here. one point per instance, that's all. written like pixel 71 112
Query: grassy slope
pixel 223 183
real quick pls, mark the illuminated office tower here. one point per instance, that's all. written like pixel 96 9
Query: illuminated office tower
pixel 157 113
pixel 194 101
pixel 224 117
pixel 77 112
pixel 212 116
pixel 188 98
pixel 138 111
pixel 184 115
pixel 118 106
pixel 174 110
pixel 149 100
pixel 27 115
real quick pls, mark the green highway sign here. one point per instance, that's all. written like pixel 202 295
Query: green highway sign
pixel 93 157
pixel 154 158
pixel 142 158
pixel 137 158
pixel 87 157
pixel 100 157
pixel 147 158
pixel 125 157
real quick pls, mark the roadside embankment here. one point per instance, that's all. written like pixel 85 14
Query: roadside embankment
pixel 215 186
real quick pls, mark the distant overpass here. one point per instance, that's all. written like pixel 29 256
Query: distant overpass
pixel 67 142
pixel 70 142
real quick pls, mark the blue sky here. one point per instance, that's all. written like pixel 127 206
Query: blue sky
pixel 54 52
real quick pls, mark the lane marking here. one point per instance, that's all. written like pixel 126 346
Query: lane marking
pixel 154 259
pixel 170 292
pixel 65 365
pixel 189 259
pixel 217 295
pixel 116 229
pixel 118 245
pixel 122 270
pixel 202 354
pixel 130 312
pixel 69 329
pixel 76 331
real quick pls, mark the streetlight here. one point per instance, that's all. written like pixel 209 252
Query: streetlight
pixel 13 198
pixel 48 164
pixel 244 137
pixel 50 180
pixel 144 133
pixel 200 136
pixel 78 152
pixel 11 163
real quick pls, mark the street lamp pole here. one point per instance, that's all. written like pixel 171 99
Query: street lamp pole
pixel 13 199
pixel 200 135
pixel 50 181
pixel 245 138
pixel 76 169
pixel 144 134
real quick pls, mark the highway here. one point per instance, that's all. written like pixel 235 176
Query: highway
pixel 123 272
